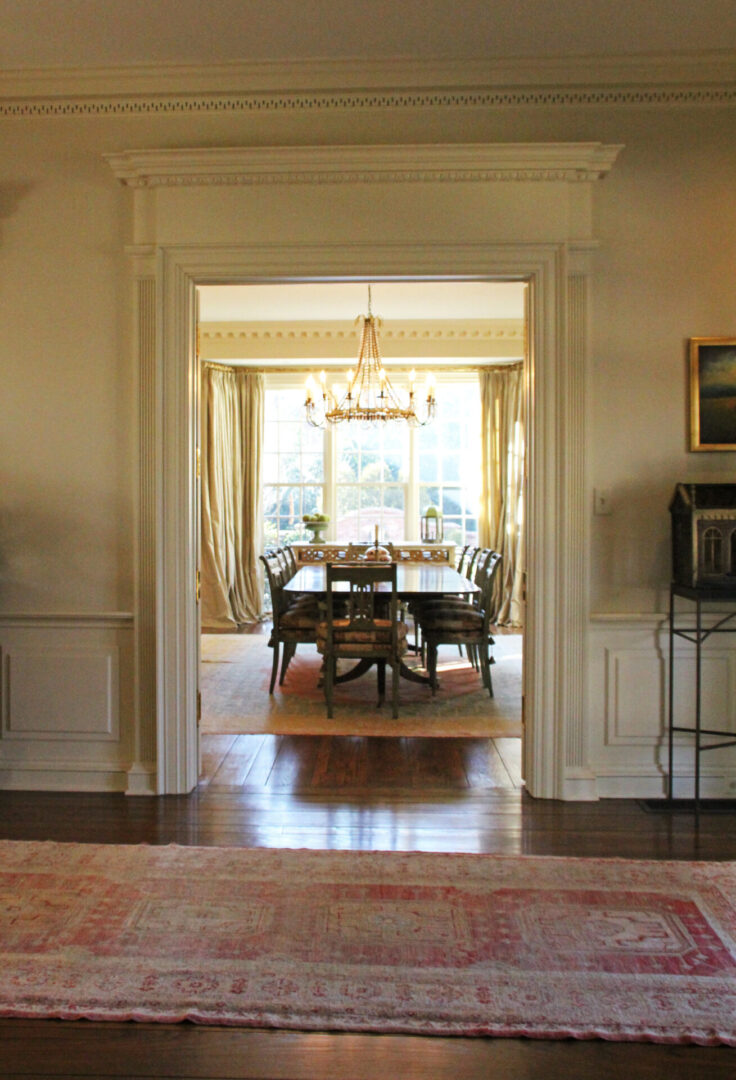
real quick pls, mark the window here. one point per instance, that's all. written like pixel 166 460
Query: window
pixel 449 463
pixel 364 476
pixel 293 467
pixel 712 551
pixel 371 477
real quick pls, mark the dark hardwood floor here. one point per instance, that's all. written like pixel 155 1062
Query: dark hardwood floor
pixel 398 794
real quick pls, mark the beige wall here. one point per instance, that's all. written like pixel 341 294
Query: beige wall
pixel 665 270
pixel 665 218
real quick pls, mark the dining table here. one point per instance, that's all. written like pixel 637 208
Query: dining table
pixel 414 582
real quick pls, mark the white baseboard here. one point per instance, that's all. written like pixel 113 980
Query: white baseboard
pixel 60 776
pixel 141 779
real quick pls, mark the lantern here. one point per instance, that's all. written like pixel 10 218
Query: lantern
pixel 431 526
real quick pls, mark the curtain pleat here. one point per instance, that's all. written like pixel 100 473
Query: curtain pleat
pixel 501 524
pixel 232 403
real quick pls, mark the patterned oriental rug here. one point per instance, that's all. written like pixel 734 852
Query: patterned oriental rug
pixel 236 671
pixel 361 941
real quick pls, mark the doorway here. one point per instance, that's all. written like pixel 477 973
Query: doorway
pixel 248 214
pixel 457 330
pixel 554 670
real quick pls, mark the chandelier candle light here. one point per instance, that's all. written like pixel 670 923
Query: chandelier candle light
pixel 370 396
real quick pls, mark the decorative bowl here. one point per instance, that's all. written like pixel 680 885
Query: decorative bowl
pixel 316 528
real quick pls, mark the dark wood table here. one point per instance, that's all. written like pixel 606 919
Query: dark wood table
pixel 414 581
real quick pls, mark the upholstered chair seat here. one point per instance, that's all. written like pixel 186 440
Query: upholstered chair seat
pixel 453 618
pixel 347 640
pixel 299 617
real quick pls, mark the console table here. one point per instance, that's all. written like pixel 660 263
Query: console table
pixel 307 554
pixel 681 625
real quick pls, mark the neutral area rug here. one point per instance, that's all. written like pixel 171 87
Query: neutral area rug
pixel 360 941
pixel 236 671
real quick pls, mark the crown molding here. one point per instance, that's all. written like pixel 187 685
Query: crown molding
pixel 446 338
pixel 398 330
pixel 330 85
pixel 363 164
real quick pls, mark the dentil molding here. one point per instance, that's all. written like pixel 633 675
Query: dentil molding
pixel 469 330
pixel 705 78
pixel 450 163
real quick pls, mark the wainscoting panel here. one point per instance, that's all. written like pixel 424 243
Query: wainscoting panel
pixel 61 694
pixel 634 695
pixel 66 701
pixel 628 679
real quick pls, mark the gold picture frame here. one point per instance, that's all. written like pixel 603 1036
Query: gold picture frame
pixel 713 393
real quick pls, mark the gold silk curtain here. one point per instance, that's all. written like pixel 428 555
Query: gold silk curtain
pixel 501 524
pixel 232 407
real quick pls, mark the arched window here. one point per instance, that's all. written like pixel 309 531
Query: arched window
pixel 712 551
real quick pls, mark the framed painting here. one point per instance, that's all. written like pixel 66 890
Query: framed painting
pixel 713 393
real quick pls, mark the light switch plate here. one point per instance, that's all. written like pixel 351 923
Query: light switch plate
pixel 602 503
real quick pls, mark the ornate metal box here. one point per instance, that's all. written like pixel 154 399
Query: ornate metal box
pixel 704 535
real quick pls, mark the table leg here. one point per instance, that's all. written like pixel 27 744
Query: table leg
pixel 365 665
pixel 355 672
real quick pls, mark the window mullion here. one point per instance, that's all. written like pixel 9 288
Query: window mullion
pixel 411 493
pixel 330 473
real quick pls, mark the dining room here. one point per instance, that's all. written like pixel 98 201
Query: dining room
pixel 433 487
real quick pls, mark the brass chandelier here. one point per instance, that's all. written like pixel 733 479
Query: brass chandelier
pixel 369 397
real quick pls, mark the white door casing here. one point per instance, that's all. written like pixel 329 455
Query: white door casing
pixel 555 762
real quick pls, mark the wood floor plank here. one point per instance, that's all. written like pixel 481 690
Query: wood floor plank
pixel 214 750
pixel 436 764
pixel 484 765
pixel 388 764
pixel 342 763
pixel 235 769
pixel 40 1050
pixel 291 767
pixel 510 752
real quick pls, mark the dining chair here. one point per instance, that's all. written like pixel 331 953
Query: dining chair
pixel 455 621
pixel 481 566
pixel 368 626
pixel 420 607
pixel 294 619
pixel 461 559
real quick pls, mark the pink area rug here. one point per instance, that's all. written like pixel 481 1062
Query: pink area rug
pixel 236 672
pixel 361 941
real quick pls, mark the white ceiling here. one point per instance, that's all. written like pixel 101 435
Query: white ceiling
pixel 345 301
pixel 119 33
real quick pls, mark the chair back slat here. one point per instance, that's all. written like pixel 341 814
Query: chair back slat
pixel 493 566
pixel 471 558
pixel 290 557
pixel 460 565
pixel 363 600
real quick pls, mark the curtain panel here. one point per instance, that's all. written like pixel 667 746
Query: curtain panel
pixel 501 524
pixel 232 409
